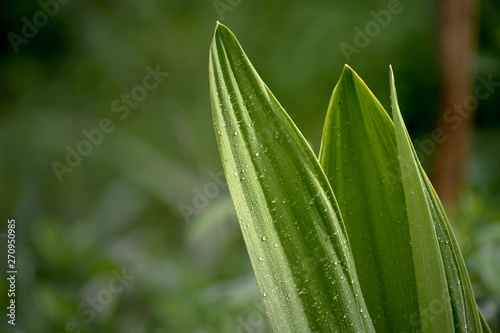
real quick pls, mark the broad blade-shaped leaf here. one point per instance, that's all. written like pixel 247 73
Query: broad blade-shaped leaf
pixel 432 285
pixel 466 316
pixel 359 156
pixel 286 208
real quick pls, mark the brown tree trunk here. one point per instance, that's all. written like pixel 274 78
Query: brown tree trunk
pixel 458 39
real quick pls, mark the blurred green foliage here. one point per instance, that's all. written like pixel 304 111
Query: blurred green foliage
pixel 119 208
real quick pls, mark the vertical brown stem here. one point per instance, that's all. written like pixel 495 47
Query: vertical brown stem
pixel 457 46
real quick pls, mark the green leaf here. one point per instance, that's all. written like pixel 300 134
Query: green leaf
pixel 465 314
pixel 359 156
pixel 434 300
pixel 286 208
pixel 409 266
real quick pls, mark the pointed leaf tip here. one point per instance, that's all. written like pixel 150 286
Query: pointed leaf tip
pixel 220 31
pixel 219 27
pixel 347 70
pixel 346 66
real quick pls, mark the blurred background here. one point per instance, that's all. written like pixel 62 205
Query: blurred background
pixel 109 164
